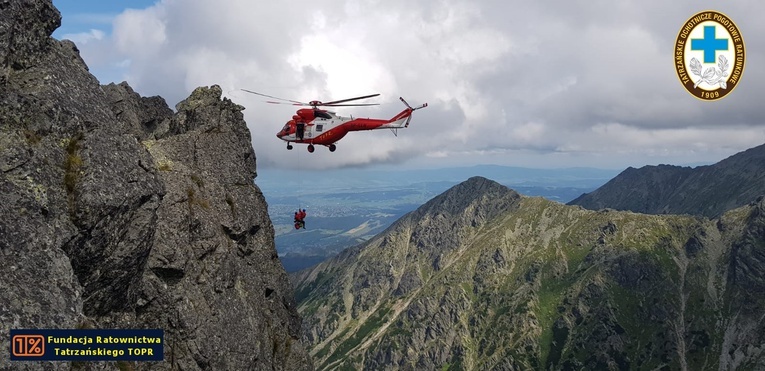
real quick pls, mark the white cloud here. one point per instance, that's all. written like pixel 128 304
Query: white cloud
pixel 140 33
pixel 544 82
pixel 85 37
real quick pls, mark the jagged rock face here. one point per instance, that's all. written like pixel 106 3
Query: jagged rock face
pixel 146 117
pixel 664 189
pixel 78 198
pixel 39 288
pixel 213 277
pixel 25 29
pixel 118 213
pixel 91 184
pixel 540 285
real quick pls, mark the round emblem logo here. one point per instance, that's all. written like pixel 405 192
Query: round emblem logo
pixel 709 55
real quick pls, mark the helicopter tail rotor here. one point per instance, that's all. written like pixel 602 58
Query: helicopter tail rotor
pixel 406 125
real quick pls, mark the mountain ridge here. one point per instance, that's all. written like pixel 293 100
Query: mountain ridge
pixel 666 189
pixel 542 285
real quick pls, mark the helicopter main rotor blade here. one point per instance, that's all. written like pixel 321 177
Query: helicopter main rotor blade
pixel 348 100
pixel 351 105
pixel 289 104
pixel 268 96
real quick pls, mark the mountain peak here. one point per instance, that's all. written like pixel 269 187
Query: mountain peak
pixel 440 224
pixel 484 196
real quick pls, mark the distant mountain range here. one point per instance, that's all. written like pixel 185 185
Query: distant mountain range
pixel 705 190
pixel 483 278
pixel 279 180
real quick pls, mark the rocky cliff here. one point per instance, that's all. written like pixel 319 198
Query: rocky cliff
pixel 119 213
pixel 481 278
pixel 665 189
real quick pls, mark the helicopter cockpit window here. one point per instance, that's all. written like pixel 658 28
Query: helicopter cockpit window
pixel 321 114
pixel 286 128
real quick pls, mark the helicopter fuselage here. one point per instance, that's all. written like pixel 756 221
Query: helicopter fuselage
pixel 329 128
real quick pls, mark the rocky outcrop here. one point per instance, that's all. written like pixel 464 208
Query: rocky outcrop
pixel 213 277
pixel 78 200
pixel 664 189
pixel 119 213
pixel 144 117
pixel 533 284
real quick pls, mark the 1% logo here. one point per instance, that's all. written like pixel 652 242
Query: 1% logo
pixel 28 345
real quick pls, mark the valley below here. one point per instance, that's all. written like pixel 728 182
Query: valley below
pixel 346 208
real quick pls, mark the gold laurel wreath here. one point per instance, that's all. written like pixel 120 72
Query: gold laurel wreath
pixel 711 75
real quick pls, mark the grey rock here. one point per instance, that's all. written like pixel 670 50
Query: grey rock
pixel 119 213
pixel 146 117
pixel 213 277
pixel 748 256
pixel 410 280
pixel 25 29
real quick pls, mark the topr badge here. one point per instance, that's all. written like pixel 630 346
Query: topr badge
pixel 709 55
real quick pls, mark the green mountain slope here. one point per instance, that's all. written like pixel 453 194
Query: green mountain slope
pixel 482 278
pixel 664 189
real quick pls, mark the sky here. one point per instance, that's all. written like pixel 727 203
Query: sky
pixel 543 84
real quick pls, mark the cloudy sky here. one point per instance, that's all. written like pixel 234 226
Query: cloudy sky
pixel 534 84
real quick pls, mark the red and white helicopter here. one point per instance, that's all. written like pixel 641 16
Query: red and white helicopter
pixel 322 127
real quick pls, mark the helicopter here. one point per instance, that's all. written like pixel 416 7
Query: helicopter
pixel 315 126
